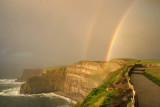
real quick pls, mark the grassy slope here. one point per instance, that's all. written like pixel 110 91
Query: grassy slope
pixel 99 97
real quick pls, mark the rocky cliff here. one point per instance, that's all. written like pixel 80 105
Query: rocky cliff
pixel 52 80
pixel 29 73
pixel 74 81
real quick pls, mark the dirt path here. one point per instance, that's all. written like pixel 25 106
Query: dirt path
pixel 147 92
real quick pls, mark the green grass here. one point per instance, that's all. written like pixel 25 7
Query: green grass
pixel 153 74
pixel 149 61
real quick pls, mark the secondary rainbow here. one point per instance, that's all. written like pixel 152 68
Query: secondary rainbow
pixel 117 31
pixel 90 33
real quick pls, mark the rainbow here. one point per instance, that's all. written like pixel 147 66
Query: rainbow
pixel 90 33
pixel 117 30
pixel 92 29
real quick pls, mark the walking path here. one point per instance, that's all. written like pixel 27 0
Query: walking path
pixel 147 92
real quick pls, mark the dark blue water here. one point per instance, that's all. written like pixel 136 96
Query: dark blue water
pixel 10 97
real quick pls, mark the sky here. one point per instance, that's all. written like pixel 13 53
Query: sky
pixel 44 33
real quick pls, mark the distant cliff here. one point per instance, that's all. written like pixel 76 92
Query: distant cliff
pixel 74 81
pixel 51 80
pixel 29 73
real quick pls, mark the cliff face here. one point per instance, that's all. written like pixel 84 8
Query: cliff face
pixel 49 82
pixel 75 82
pixel 80 78
pixel 29 73
pixel 83 76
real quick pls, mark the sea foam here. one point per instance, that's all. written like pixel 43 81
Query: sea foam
pixel 15 91
pixel 9 81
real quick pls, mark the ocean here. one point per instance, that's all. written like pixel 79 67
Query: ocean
pixel 10 97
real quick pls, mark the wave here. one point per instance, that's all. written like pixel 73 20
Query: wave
pixel 15 91
pixel 56 95
pixel 9 81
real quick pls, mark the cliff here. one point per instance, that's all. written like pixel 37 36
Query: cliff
pixel 52 80
pixel 83 76
pixel 114 91
pixel 74 81
pixel 29 73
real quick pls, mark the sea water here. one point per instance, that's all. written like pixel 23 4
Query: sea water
pixel 10 97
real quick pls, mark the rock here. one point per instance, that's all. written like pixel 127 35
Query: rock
pixel 125 98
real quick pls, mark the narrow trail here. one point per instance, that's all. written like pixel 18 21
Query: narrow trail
pixel 148 93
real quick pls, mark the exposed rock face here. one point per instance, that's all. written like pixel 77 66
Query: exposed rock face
pixel 115 64
pixel 49 82
pixel 79 79
pixel 29 73
pixel 83 76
